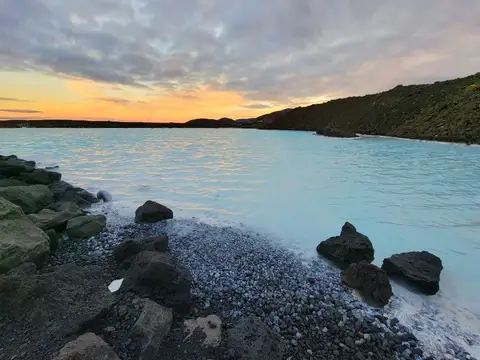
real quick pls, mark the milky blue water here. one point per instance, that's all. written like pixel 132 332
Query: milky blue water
pixel 300 189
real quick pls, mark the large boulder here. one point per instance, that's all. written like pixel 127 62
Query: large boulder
pixel 151 212
pixel 13 166
pixel 65 192
pixel 155 275
pixel 151 327
pixel 12 182
pixel 20 241
pixel 125 252
pixel 41 312
pixel 348 248
pixel 420 269
pixel 86 226
pixel 87 347
pixel 31 199
pixel 250 339
pixel 48 219
pixel 371 281
pixel 40 176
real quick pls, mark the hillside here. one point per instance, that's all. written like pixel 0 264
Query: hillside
pixel 444 111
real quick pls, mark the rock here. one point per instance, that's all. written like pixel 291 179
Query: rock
pixel 55 239
pixel 155 275
pixel 49 307
pixel 40 176
pixel 151 328
pixel 20 241
pixel 31 199
pixel 151 212
pixel 336 132
pixel 104 195
pixel 14 167
pixel 49 219
pixel 65 192
pixel 87 347
pixel 250 339
pixel 370 280
pixel 11 182
pixel 86 226
pixel 125 252
pixel 210 326
pixel 419 269
pixel 348 248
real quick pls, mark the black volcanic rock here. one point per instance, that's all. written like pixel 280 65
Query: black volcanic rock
pixel 420 269
pixel 151 212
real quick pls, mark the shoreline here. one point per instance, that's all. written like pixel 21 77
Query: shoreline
pixel 235 274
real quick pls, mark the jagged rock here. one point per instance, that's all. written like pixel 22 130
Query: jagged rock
pixel 250 339
pixel 20 241
pixel 151 328
pixel 65 192
pixel 40 176
pixel 371 281
pixel 86 226
pixel 57 219
pixel 420 269
pixel 87 347
pixel 151 212
pixel 157 276
pixel 125 252
pixel 31 199
pixel 348 248
pixel 47 308
pixel 13 166
pixel 55 239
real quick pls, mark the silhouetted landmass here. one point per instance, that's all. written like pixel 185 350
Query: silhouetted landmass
pixel 443 111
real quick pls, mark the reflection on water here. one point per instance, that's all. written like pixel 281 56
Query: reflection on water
pixel 405 195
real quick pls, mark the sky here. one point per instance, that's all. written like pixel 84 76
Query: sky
pixel 175 60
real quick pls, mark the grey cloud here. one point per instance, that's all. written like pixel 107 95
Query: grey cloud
pixel 273 50
pixel 118 101
pixel 256 106
pixel 26 111
pixel 12 99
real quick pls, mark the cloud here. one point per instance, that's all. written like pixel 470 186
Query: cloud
pixel 119 101
pixel 256 106
pixel 12 99
pixel 26 111
pixel 273 50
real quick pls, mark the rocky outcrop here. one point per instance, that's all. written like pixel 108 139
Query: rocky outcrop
pixel 20 241
pixel 419 269
pixel 13 166
pixel 371 281
pixel 31 199
pixel 40 177
pixel 348 248
pixel 157 276
pixel 48 308
pixel 87 347
pixel 151 212
pixel 335 132
pixel 151 328
pixel 125 252
pixel 250 339
pixel 86 226
pixel 11 182
pixel 56 219
pixel 65 192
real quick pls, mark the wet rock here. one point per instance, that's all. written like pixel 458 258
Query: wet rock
pixel 370 280
pixel 151 212
pixel 250 339
pixel 55 239
pixel 419 269
pixel 56 219
pixel 40 177
pixel 65 192
pixel 336 132
pixel 20 241
pixel 86 226
pixel 348 248
pixel 104 195
pixel 31 199
pixel 125 252
pixel 157 276
pixel 11 182
pixel 13 166
pixel 87 347
pixel 151 328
